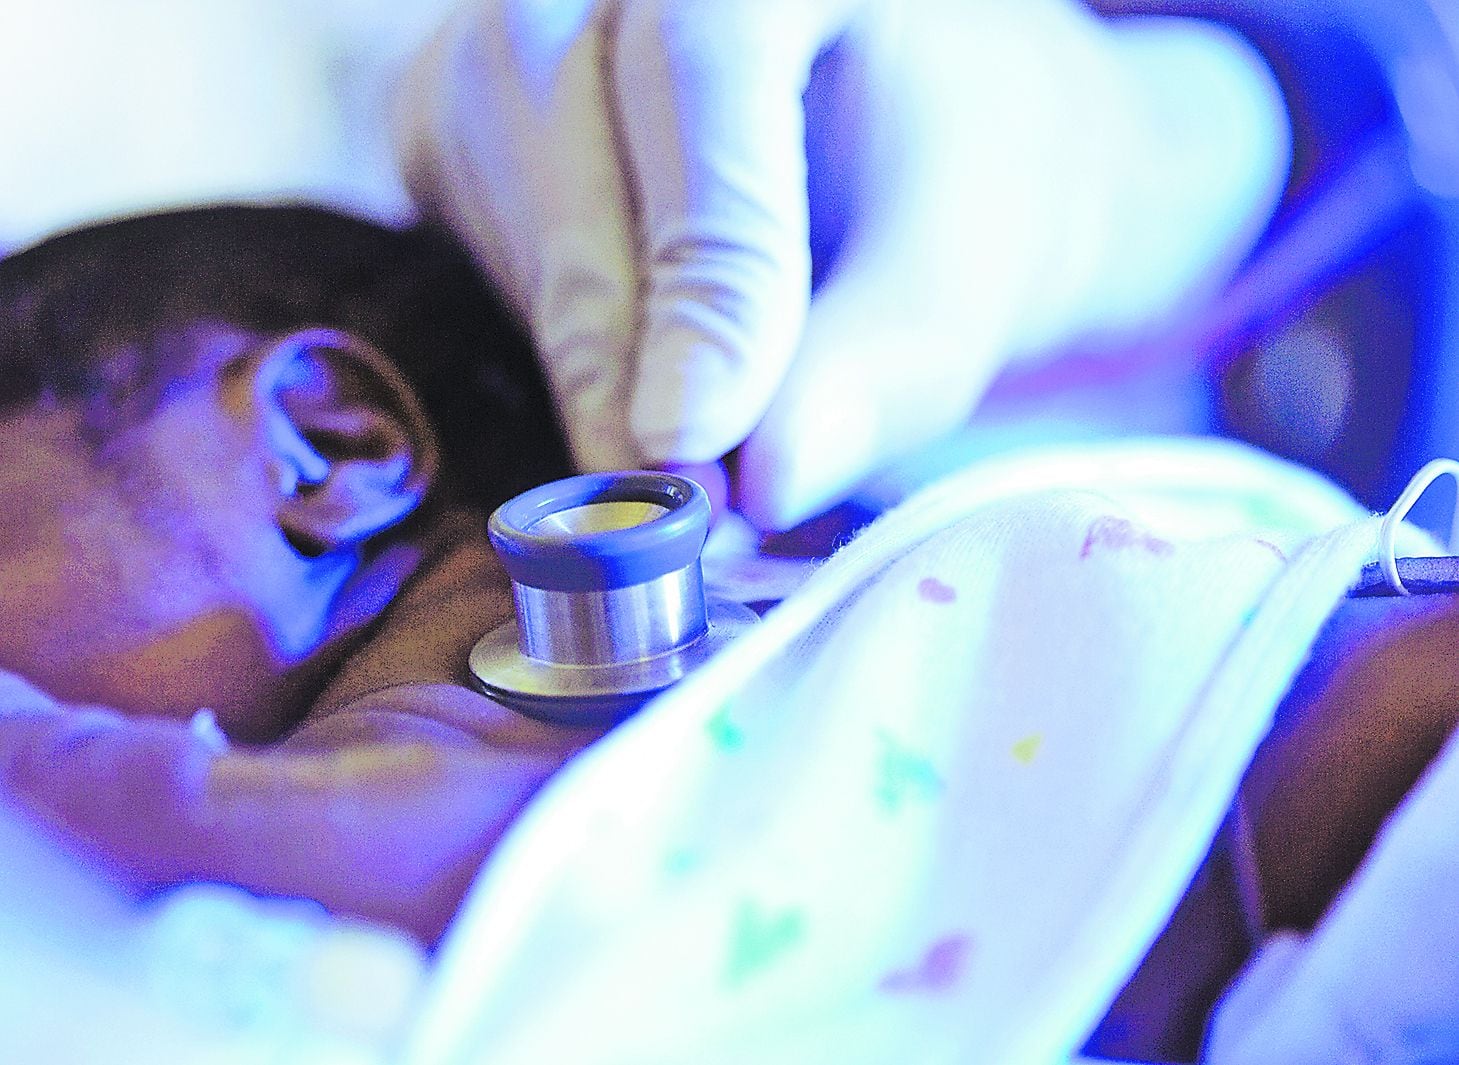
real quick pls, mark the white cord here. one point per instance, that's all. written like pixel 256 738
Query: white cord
pixel 1388 534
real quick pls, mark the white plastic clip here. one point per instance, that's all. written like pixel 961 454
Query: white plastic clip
pixel 1388 534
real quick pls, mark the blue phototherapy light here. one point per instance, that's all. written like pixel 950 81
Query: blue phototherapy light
pixel 609 597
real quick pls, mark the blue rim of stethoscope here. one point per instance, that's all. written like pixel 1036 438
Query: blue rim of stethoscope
pixel 613 558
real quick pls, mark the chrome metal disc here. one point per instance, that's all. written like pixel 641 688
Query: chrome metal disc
pixel 594 694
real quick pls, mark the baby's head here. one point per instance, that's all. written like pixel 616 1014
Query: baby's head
pixel 223 433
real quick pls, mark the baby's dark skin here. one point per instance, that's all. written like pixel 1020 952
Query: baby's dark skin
pixel 1372 707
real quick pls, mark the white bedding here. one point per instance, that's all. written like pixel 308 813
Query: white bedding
pixel 205 976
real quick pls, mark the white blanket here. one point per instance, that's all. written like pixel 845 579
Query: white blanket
pixel 205 976
pixel 933 809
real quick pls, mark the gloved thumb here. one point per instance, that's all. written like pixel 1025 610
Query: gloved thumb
pixel 870 384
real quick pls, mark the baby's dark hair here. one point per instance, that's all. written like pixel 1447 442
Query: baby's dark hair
pixel 89 314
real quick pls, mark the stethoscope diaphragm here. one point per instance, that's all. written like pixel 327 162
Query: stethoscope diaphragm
pixel 608 597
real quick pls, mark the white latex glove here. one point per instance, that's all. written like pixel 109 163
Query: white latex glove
pixel 646 180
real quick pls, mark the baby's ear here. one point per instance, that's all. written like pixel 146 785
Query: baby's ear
pixel 354 452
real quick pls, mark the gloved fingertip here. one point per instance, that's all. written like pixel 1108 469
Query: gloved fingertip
pixel 770 514
pixel 805 459
pixel 598 446
pixel 696 399
pixel 770 496
pixel 681 446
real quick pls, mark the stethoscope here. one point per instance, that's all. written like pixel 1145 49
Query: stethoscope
pixel 608 597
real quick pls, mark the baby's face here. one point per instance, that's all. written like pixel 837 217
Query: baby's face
pixel 150 575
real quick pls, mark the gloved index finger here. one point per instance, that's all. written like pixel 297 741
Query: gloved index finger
pixel 510 139
pixel 709 100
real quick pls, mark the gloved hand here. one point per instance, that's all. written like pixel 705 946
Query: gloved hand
pixel 655 184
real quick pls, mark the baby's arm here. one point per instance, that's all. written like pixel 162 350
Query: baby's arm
pixel 1375 703
pixel 1377 700
pixel 390 829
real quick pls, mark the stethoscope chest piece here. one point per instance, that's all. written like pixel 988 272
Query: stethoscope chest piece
pixel 608 595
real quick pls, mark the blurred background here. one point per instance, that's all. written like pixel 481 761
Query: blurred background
pixel 1338 345
pixel 122 107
